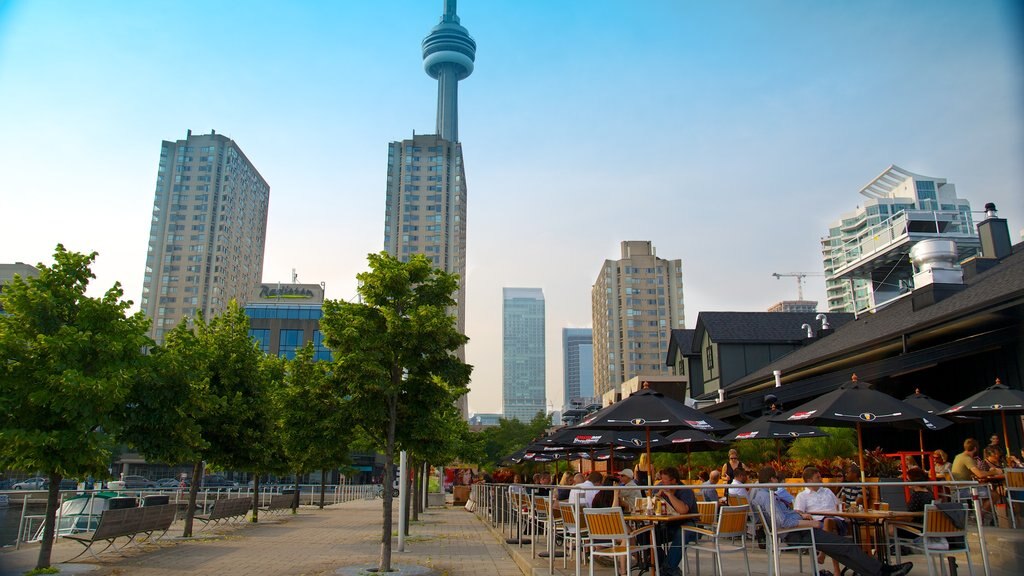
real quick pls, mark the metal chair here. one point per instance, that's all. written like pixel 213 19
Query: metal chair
pixel 571 529
pixel 610 537
pixel 732 523
pixel 708 513
pixel 775 541
pixel 1014 491
pixel 938 523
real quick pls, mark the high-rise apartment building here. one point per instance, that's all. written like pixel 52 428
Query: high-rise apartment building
pixel 208 231
pixel 577 367
pixel 636 302
pixel 426 188
pixel 866 252
pixel 522 356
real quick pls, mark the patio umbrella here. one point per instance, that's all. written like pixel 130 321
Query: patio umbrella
pixel 650 410
pixel 764 428
pixel 995 398
pixel 689 441
pixel 931 406
pixel 856 403
pixel 513 458
pixel 570 439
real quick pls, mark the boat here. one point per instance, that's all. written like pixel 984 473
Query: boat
pixel 80 513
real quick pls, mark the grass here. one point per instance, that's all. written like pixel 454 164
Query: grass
pixel 47 570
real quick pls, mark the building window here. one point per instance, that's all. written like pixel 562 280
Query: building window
pixel 710 353
pixel 290 341
pixel 262 338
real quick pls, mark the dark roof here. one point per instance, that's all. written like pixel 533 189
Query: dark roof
pixel 763 327
pixel 679 340
pixel 992 288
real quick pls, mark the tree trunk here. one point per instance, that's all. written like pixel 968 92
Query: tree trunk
pixel 323 486
pixel 297 495
pixel 256 498
pixel 193 492
pixel 389 464
pixel 50 522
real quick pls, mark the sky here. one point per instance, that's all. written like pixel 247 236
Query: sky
pixel 730 134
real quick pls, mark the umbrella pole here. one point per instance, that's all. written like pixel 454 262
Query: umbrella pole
pixel 611 459
pixel 650 463
pixel 920 439
pixel 1006 437
pixel 688 462
pixel 860 455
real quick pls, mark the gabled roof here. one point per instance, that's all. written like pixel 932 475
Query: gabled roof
pixel 1001 285
pixel 763 327
pixel 679 340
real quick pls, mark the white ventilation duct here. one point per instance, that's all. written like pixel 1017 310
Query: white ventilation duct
pixel 935 263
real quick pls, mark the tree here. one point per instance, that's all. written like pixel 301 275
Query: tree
pixel 315 423
pixel 396 348
pixel 67 362
pixel 511 435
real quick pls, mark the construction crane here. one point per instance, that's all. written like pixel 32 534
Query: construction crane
pixel 799 280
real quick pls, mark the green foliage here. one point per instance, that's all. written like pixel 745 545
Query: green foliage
pixel 68 360
pixel 509 436
pixel 840 443
pixel 38 571
pixel 754 453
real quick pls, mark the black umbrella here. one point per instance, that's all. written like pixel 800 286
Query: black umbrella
pixel 513 458
pixel 571 439
pixel 689 441
pixel 856 403
pixel 764 428
pixel 995 398
pixel 650 410
pixel 931 406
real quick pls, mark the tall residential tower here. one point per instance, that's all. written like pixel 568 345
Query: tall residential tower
pixel 208 231
pixel 636 302
pixel 426 187
pixel 522 353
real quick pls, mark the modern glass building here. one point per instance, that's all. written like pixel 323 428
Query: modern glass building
pixel 865 254
pixel 208 231
pixel 636 301
pixel 522 355
pixel 577 366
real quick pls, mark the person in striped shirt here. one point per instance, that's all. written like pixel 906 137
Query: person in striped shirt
pixel 852 494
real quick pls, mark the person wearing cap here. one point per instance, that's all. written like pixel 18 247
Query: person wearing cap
pixel 631 492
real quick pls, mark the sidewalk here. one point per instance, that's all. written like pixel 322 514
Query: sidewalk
pixel 450 541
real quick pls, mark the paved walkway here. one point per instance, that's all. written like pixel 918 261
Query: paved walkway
pixel 451 541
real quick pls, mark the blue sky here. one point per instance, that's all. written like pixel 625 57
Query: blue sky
pixel 728 133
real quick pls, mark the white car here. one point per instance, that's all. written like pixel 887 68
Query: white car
pixel 36 483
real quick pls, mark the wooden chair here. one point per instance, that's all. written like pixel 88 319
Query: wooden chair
pixel 571 529
pixel 925 537
pixel 732 523
pixel 610 537
pixel 708 513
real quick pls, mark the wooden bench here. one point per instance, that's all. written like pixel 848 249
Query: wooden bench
pixel 227 509
pixel 279 502
pixel 126 523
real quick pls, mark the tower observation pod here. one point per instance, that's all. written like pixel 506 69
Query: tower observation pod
pixel 448 55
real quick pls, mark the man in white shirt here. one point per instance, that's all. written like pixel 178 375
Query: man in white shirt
pixel 814 499
pixel 739 477
pixel 586 488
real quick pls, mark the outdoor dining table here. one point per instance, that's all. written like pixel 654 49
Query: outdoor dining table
pixel 659 519
pixel 876 520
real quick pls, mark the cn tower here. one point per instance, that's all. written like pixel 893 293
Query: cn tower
pixel 448 55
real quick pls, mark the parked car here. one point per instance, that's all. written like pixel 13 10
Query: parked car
pixel 137 483
pixel 34 483
pixel 65 484
pixel 218 481
pixel 171 483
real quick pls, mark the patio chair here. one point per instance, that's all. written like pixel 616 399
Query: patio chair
pixel 610 537
pixel 775 540
pixel 708 513
pixel 1014 492
pixel 732 523
pixel 925 537
pixel 570 530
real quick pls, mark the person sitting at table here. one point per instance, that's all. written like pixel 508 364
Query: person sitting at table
pixel 607 498
pixel 943 466
pixel 564 486
pixel 852 494
pixel 731 466
pixel 834 546
pixel 627 497
pixel 818 502
pixel 739 477
pixel 679 501
pixel 967 466
pixel 837 476
pixel 710 479
pixel 920 496
pixel 911 463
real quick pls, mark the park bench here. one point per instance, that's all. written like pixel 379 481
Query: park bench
pixel 126 523
pixel 280 502
pixel 226 509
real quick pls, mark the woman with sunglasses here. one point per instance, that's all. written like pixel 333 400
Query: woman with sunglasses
pixel 732 465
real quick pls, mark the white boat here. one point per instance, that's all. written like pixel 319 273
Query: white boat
pixel 79 513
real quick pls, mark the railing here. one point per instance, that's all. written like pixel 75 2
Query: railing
pixel 500 507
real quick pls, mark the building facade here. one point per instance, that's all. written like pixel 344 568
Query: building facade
pixel 577 366
pixel 208 231
pixel 284 317
pixel 636 301
pixel 8 271
pixel 426 186
pixel 522 353
pixel 865 254
pixel 794 306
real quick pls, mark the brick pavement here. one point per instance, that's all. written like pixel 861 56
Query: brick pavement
pixel 451 541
